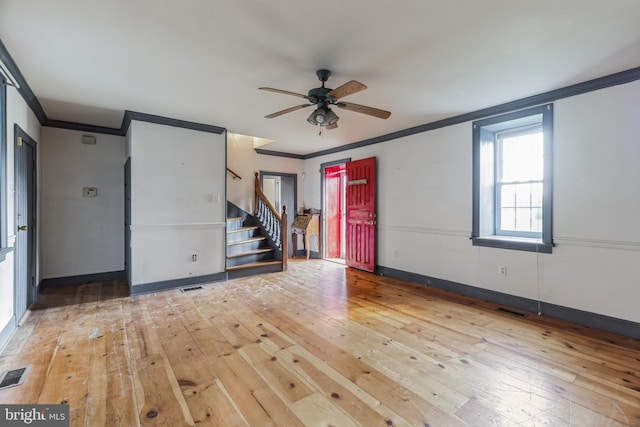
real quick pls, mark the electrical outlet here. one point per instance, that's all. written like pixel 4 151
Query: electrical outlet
pixel 502 270
pixel 194 257
pixel 395 254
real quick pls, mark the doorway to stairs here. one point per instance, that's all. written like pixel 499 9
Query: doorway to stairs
pixel 281 189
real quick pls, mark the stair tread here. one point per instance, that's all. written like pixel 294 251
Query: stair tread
pixel 257 251
pixel 253 264
pixel 251 240
pixel 235 219
pixel 238 230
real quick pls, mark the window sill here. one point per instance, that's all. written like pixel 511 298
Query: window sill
pixel 514 243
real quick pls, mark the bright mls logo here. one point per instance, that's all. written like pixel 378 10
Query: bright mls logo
pixel 34 415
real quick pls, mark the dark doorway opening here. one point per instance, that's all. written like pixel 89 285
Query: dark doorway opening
pixel 26 289
pixel 333 227
pixel 281 189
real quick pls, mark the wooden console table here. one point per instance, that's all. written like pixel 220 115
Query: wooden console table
pixel 307 225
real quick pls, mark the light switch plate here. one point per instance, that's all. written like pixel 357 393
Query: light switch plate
pixel 89 192
pixel 88 139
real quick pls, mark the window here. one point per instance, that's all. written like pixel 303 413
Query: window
pixel 3 170
pixel 512 180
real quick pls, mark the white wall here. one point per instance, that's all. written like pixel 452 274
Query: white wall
pixel 81 235
pixel 177 202
pixel 424 208
pixel 17 113
pixel 597 203
pixel 243 159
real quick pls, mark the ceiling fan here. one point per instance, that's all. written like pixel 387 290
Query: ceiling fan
pixel 323 98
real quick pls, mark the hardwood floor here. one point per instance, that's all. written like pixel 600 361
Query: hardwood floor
pixel 319 345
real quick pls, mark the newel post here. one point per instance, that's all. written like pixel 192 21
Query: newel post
pixel 255 193
pixel 284 238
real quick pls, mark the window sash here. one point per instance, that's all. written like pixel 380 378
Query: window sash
pixel 532 207
pixel 499 183
pixel 499 147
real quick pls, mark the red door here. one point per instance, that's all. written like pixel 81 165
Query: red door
pixel 361 214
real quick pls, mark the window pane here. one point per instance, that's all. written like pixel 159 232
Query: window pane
pixel 523 219
pixel 508 196
pixel 523 215
pixel 522 157
pixel 536 221
pixel 536 194
pixel 508 219
pixel 523 195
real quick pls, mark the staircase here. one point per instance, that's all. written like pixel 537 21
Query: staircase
pixel 248 251
pixel 254 243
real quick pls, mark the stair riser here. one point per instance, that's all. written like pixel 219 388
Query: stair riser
pixel 241 235
pixel 235 224
pixel 245 247
pixel 248 259
pixel 253 271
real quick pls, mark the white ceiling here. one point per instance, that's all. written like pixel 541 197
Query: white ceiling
pixel 203 61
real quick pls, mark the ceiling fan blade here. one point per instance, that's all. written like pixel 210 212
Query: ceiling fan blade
pixel 288 110
pixel 375 112
pixel 333 126
pixel 349 88
pixel 286 92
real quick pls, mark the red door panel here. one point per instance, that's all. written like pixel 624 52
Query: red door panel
pixel 361 215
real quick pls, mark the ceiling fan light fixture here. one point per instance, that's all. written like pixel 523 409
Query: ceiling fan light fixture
pixel 312 118
pixel 323 117
pixel 331 117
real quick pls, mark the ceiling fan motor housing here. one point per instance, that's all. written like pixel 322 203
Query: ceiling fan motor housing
pixel 319 93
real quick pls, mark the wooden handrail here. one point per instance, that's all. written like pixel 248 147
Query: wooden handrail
pixel 233 174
